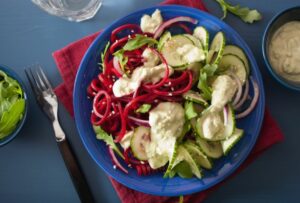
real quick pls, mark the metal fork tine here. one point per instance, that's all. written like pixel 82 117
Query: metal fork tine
pixel 36 80
pixel 45 79
pixel 31 81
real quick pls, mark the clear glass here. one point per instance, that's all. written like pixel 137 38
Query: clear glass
pixel 73 10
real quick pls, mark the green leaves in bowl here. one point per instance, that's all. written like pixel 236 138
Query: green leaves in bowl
pixel 12 104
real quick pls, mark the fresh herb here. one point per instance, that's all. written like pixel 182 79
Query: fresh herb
pixel 206 72
pixel 190 111
pixel 246 14
pixel 122 58
pixel 108 139
pixel 103 55
pixel 12 104
pixel 138 41
pixel 144 108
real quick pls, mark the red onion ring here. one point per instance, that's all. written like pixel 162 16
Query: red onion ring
pixel 139 121
pixel 239 91
pixel 253 103
pixel 117 65
pixel 244 97
pixel 108 106
pixel 167 23
pixel 116 161
pixel 225 114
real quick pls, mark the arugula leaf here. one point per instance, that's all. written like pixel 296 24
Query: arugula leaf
pixel 189 110
pixel 122 58
pixel 138 41
pixel 186 128
pixel 103 55
pixel 108 139
pixel 144 108
pixel 207 71
pixel 246 14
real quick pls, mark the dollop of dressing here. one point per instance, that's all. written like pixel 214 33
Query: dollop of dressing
pixel 151 23
pixel 191 53
pixel 284 51
pixel 166 121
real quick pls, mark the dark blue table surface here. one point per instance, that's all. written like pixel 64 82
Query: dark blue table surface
pixel 31 168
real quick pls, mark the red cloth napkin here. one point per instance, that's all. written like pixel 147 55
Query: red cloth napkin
pixel 68 60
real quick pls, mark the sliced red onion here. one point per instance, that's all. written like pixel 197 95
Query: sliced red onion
pixel 253 103
pixel 244 97
pixel 117 65
pixel 139 121
pixel 162 27
pixel 225 114
pixel 239 90
pixel 116 161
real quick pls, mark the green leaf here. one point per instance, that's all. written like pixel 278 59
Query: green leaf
pixel 246 14
pixel 186 128
pixel 138 41
pixel 143 108
pixel 207 71
pixel 103 55
pixel 122 59
pixel 189 110
pixel 11 117
pixel 108 139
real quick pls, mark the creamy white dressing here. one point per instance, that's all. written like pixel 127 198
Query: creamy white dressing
pixel 212 124
pixel 125 142
pixel 151 59
pixel 166 121
pixel 284 51
pixel 151 23
pixel 190 53
pixel 124 85
pixel 224 88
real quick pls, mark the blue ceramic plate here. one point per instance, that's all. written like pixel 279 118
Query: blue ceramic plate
pixel 156 184
pixel 14 75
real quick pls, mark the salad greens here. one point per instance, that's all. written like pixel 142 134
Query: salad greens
pixel 246 14
pixel 139 41
pixel 190 111
pixel 206 72
pixel 103 56
pixel 144 108
pixel 122 58
pixel 108 139
pixel 12 104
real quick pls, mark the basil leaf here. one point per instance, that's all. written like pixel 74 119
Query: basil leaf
pixel 103 56
pixel 138 41
pixel 246 14
pixel 108 139
pixel 206 72
pixel 144 108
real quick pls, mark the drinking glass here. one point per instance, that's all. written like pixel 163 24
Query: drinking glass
pixel 73 10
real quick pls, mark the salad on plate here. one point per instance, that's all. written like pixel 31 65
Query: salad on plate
pixel 168 96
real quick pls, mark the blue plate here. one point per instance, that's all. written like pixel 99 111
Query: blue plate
pixel 14 75
pixel 156 184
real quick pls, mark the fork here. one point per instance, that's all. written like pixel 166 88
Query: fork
pixel 48 102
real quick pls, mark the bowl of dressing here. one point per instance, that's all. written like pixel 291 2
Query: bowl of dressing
pixel 281 47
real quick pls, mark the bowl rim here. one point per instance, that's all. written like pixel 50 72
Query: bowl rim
pixel 11 73
pixel 277 77
pixel 76 104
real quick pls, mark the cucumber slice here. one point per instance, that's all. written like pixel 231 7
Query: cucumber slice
pixel 172 161
pixel 163 39
pixel 233 64
pixel 237 51
pixel 183 154
pixel 169 50
pixel 211 149
pixel 221 135
pixel 232 140
pixel 194 97
pixel 202 34
pixel 140 138
pixel 216 49
pixel 195 40
pixel 200 158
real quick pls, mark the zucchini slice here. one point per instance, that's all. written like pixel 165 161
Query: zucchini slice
pixel 200 158
pixel 140 138
pixel 221 135
pixel 227 144
pixel 195 40
pixel 237 51
pixel 216 49
pixel 211 149
pixel 202 34
pixel 163 39
pixel 169 50
pixel 233 64
pixel 172 161
pixel 194 97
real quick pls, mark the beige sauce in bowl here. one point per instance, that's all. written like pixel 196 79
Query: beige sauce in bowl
pixel 284 51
